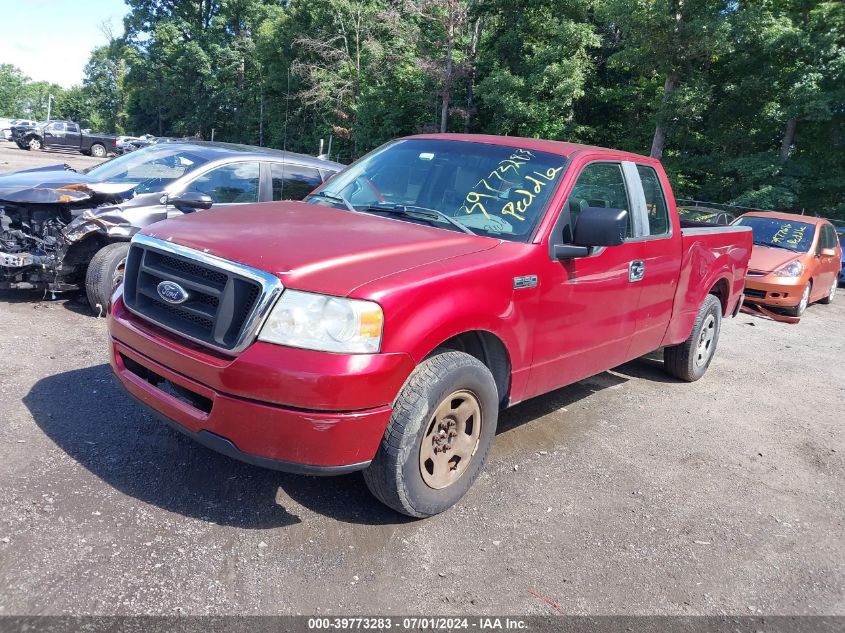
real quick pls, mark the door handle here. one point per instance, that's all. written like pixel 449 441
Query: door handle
pixel 636 270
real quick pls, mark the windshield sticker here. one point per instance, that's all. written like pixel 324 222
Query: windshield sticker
pixel 529 186
pixel 783 234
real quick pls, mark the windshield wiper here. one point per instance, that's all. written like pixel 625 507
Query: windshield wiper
pixel 411 211
pixel 334 198
pixel 786 248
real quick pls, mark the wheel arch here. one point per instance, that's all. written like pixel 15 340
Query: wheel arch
pixel 721 289
pixel 488 348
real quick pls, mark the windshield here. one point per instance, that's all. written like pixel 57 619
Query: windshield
pixel 779 233
pixel 153 167
pixel 489 189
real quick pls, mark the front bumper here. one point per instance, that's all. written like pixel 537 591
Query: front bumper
pixel 780 292
pixel 276 407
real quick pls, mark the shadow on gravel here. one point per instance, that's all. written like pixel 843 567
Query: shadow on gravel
pixel 648 368
pixel 534 408
pixel 89 417
pixel 73 301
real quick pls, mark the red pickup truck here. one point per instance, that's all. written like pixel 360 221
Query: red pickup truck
pixel 381 324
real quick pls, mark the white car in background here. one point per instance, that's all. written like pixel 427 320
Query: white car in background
pixel 6 126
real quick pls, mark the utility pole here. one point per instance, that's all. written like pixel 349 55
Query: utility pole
pixel 49 103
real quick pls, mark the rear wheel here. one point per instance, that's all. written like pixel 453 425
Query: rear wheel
pixel 437 440
pixel 798 310
pixel 104 273
pixel 690 360
pixel 98 151
pixel 832 294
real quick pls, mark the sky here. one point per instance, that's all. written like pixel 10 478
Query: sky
pixel 63 34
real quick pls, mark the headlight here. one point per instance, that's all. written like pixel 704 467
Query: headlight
pixel 792 269
pixel 323 323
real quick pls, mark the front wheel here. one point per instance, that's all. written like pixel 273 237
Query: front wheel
pixel 798 310
pixel 104 273
pixel 832 294
pixel 34 144
pixel 437 440
pixel 98 151
pixel 689 360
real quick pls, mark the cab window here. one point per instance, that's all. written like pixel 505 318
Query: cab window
pixel 230 184
pixel 599 185
pixel 655 201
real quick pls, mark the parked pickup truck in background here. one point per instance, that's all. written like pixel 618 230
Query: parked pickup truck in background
pixel 382 323
pixel 63 135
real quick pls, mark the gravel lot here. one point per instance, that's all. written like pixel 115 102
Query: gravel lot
pixel 626 493
pixel 11 158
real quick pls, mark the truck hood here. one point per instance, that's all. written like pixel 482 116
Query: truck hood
pixel 766 259
pixel 316 248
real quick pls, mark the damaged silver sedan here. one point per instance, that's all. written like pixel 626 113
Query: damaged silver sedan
pixel 63 230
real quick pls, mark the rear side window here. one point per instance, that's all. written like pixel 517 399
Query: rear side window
pixel 293 182
pixel 599 185
pixel 230 184
pixel 828 236
pixel 72 127
pixel 655 201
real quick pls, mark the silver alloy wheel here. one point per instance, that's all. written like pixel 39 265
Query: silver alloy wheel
pixel 805 299
pixel 705 341
pixel 34 143
pixel 119 271
pixel 98 150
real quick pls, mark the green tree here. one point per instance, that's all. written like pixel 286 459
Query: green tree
pixel 12 94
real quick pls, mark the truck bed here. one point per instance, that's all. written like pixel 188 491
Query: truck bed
pixel 715 258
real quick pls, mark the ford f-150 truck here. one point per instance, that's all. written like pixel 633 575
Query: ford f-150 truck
pixel 381 324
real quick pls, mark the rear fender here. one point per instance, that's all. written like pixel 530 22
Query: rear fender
pixel 704 270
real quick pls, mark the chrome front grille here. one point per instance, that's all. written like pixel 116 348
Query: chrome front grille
pixel 225 302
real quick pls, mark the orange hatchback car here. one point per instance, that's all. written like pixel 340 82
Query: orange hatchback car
pixel 795 261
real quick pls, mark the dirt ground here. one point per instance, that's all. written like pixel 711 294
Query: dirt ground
pixel 11 158
pixel 627 493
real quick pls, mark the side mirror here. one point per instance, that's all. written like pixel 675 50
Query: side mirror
pixel 828 252
pixel 599 226
pixel 190 200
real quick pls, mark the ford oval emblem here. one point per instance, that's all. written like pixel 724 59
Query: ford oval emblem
pixel 172 292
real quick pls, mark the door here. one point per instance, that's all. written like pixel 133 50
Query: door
pixel 585 316
pixel 828 265
pixel 54 134
pixel 235 183
pixel 293 182
pixel 72 136
pixel 661 256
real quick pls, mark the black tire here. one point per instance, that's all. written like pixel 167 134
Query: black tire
pixel 688 361
pixel 98 150
pixel 798 310
pixel 103 271
pixel 395 475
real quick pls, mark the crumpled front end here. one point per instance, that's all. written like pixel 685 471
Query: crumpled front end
pixel 41 229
